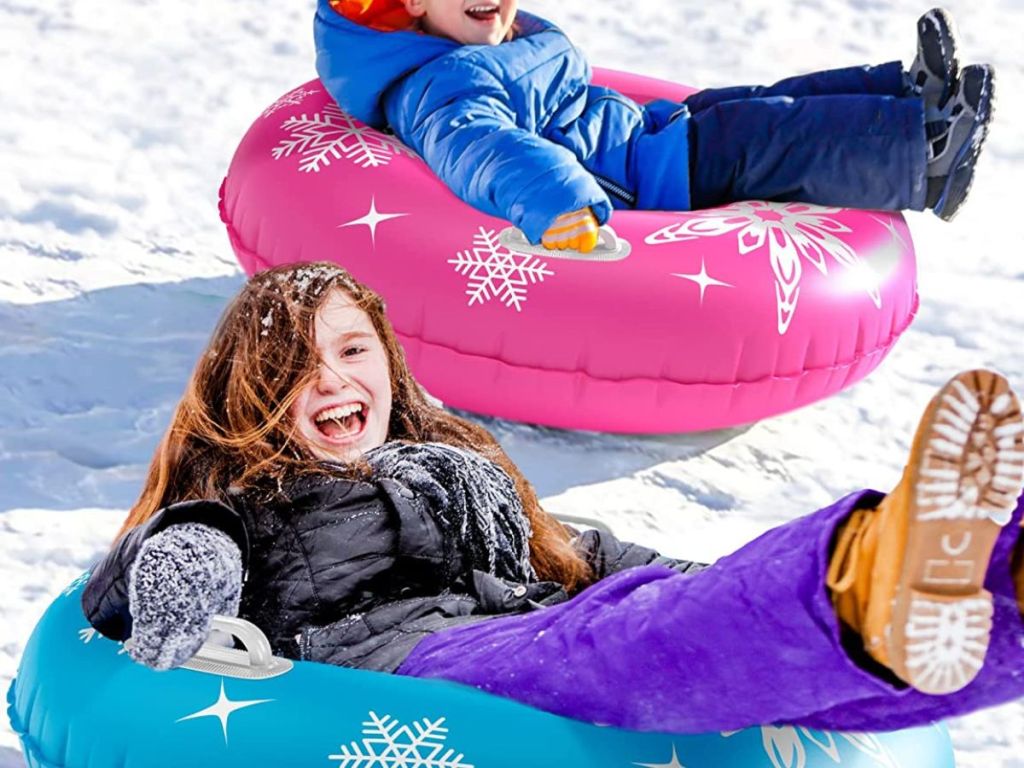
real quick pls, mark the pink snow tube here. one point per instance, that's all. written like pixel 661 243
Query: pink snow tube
pixel 684 320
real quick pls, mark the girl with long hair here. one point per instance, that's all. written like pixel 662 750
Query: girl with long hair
pixel 308 484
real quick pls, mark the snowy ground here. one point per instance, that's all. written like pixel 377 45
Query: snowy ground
pixel 119 119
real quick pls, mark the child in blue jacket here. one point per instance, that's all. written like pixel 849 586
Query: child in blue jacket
pixel 500 105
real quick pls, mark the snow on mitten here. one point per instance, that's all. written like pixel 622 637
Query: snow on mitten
pixel 576 230
pixel 181 577
pixel 472 498
pixel 405 462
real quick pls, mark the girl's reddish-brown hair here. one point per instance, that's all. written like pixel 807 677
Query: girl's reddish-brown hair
pixel 232 430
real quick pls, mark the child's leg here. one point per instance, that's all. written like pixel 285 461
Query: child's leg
pixel 749 640
pixel 932 74
pixel 753 639
pixel 995 684
pixel 906 577
pixel 858 151
pixel 883 80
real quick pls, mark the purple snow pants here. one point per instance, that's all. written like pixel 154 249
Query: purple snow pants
pixel 751 640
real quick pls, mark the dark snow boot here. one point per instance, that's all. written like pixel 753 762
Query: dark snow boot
pixel 933 73
pixel 953 151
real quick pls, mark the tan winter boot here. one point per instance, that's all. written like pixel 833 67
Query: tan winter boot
pixel 908 575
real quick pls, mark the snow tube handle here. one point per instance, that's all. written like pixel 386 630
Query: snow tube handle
pixel 255 662
pixel 610 239
pixel 610 247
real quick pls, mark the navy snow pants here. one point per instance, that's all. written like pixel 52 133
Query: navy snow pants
pixel 846 137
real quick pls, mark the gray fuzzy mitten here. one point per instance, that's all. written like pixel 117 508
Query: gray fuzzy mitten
pixel 181 577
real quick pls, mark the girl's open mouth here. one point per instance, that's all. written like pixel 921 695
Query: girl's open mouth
pixel 342 423
pixel 483 12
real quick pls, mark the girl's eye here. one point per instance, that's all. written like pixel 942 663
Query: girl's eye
pixel 352 351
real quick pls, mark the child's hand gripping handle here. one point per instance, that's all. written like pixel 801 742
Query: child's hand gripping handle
pixel 181 578
pixel 577 230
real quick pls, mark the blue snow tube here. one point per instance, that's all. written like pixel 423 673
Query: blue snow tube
pixel 80 702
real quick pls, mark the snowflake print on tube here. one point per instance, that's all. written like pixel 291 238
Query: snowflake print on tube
pixel 293 98
pixel 790 747
pixel 787 232
pixel 495 272
pixel 331 133
pixel 386 743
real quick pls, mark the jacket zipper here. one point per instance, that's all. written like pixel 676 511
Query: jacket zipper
pixel 610 186
pixel 607 184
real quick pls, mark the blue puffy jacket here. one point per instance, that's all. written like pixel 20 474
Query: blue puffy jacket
pixel 515 129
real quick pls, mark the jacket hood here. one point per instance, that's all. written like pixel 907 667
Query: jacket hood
pixel 387 15
pixel 358 64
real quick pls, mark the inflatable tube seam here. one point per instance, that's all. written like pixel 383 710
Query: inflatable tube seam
pixel 844 365
pixel 252 262
pixel 31 751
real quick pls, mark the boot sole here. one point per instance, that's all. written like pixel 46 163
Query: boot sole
pixel 965 485
pixel 940 19
pixel 961 177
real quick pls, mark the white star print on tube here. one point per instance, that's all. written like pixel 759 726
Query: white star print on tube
pixel 372 218
pixel 703 280
pixel 673 764
pixel 890 226
pixel 222 709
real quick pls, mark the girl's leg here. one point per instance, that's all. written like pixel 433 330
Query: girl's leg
pixel 884 80
pixel 1000 680
pixel 752 639
pixel 858 151
pixel 755 638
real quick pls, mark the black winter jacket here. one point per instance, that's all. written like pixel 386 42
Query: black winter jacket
pixel 346 572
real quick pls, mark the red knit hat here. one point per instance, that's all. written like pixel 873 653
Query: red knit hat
pixel 385 15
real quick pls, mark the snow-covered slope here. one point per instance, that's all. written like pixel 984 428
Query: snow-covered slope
pixel 119 119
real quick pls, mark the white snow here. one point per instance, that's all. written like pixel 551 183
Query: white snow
pixel 119 119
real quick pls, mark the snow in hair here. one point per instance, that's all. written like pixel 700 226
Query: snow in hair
pixel 316 277
pixel 297 284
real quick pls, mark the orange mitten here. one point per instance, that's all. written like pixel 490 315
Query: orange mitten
pixel 576 230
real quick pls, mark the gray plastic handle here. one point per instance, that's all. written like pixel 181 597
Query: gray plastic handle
pixel 255 662
pixel 610 247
